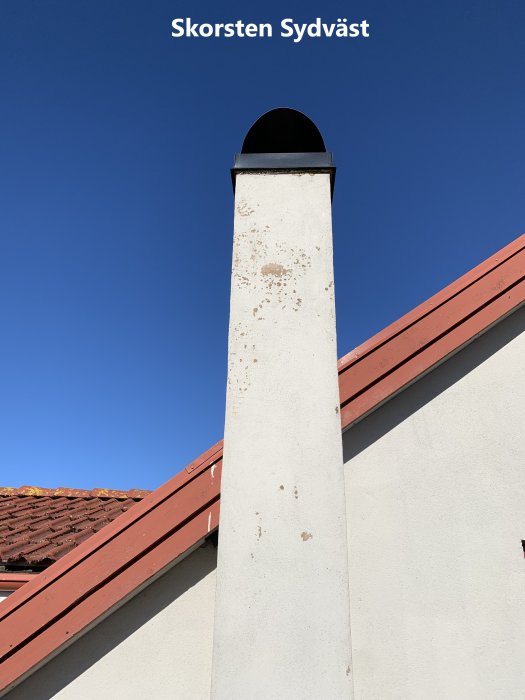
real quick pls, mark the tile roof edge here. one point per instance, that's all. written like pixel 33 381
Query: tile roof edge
pixel 63 491
pixel 92 579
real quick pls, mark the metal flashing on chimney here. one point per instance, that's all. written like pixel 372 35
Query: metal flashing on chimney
pixel 284 140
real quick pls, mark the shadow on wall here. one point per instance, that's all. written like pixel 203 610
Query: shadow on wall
pixel 392 413
pixel 83 653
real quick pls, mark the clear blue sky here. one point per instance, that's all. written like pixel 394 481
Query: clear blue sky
pixel 116 202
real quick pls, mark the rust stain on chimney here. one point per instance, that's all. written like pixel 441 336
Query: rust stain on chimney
pixel 274 269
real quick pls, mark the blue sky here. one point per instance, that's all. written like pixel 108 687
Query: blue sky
pixel 116 204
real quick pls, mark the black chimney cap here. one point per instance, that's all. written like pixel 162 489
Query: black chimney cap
pixel 284 140
pixel 283 130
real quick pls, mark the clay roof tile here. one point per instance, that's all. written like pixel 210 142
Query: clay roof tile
pixel 39 525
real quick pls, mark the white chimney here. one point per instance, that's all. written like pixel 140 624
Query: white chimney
pixel 282 626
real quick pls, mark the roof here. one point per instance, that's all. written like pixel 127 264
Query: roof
pixel 404 351
pixel 104 570
pixel 38 526
pixel 11 582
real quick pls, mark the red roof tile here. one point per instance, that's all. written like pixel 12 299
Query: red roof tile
pixel 38 526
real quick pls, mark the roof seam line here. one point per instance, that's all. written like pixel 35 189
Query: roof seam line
pixel 102 583
pixel 430 342
pixel 355 361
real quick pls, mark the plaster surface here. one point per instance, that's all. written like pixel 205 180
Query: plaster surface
pixel 436 515
pixel 158 644
pixel 282 624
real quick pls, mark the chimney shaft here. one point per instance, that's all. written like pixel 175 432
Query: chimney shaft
pixel 282 626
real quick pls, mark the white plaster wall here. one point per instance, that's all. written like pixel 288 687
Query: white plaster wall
pixel 436 514
pixel 159 644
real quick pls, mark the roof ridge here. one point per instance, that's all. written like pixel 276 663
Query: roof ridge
pixel 65 492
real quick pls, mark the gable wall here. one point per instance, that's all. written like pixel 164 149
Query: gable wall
pixel 159 644
pixel 436 514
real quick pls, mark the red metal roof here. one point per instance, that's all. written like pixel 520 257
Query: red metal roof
pixel 38 526
pixel 12 582
pixel 48 611
pixel 420 340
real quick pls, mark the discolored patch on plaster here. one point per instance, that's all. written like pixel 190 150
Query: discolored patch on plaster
pixel 274 269
pixel 243 208
pixel 281 487
pixel 348 670
pixel 306 536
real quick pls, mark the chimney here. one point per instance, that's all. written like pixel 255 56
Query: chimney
pixel 282 626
